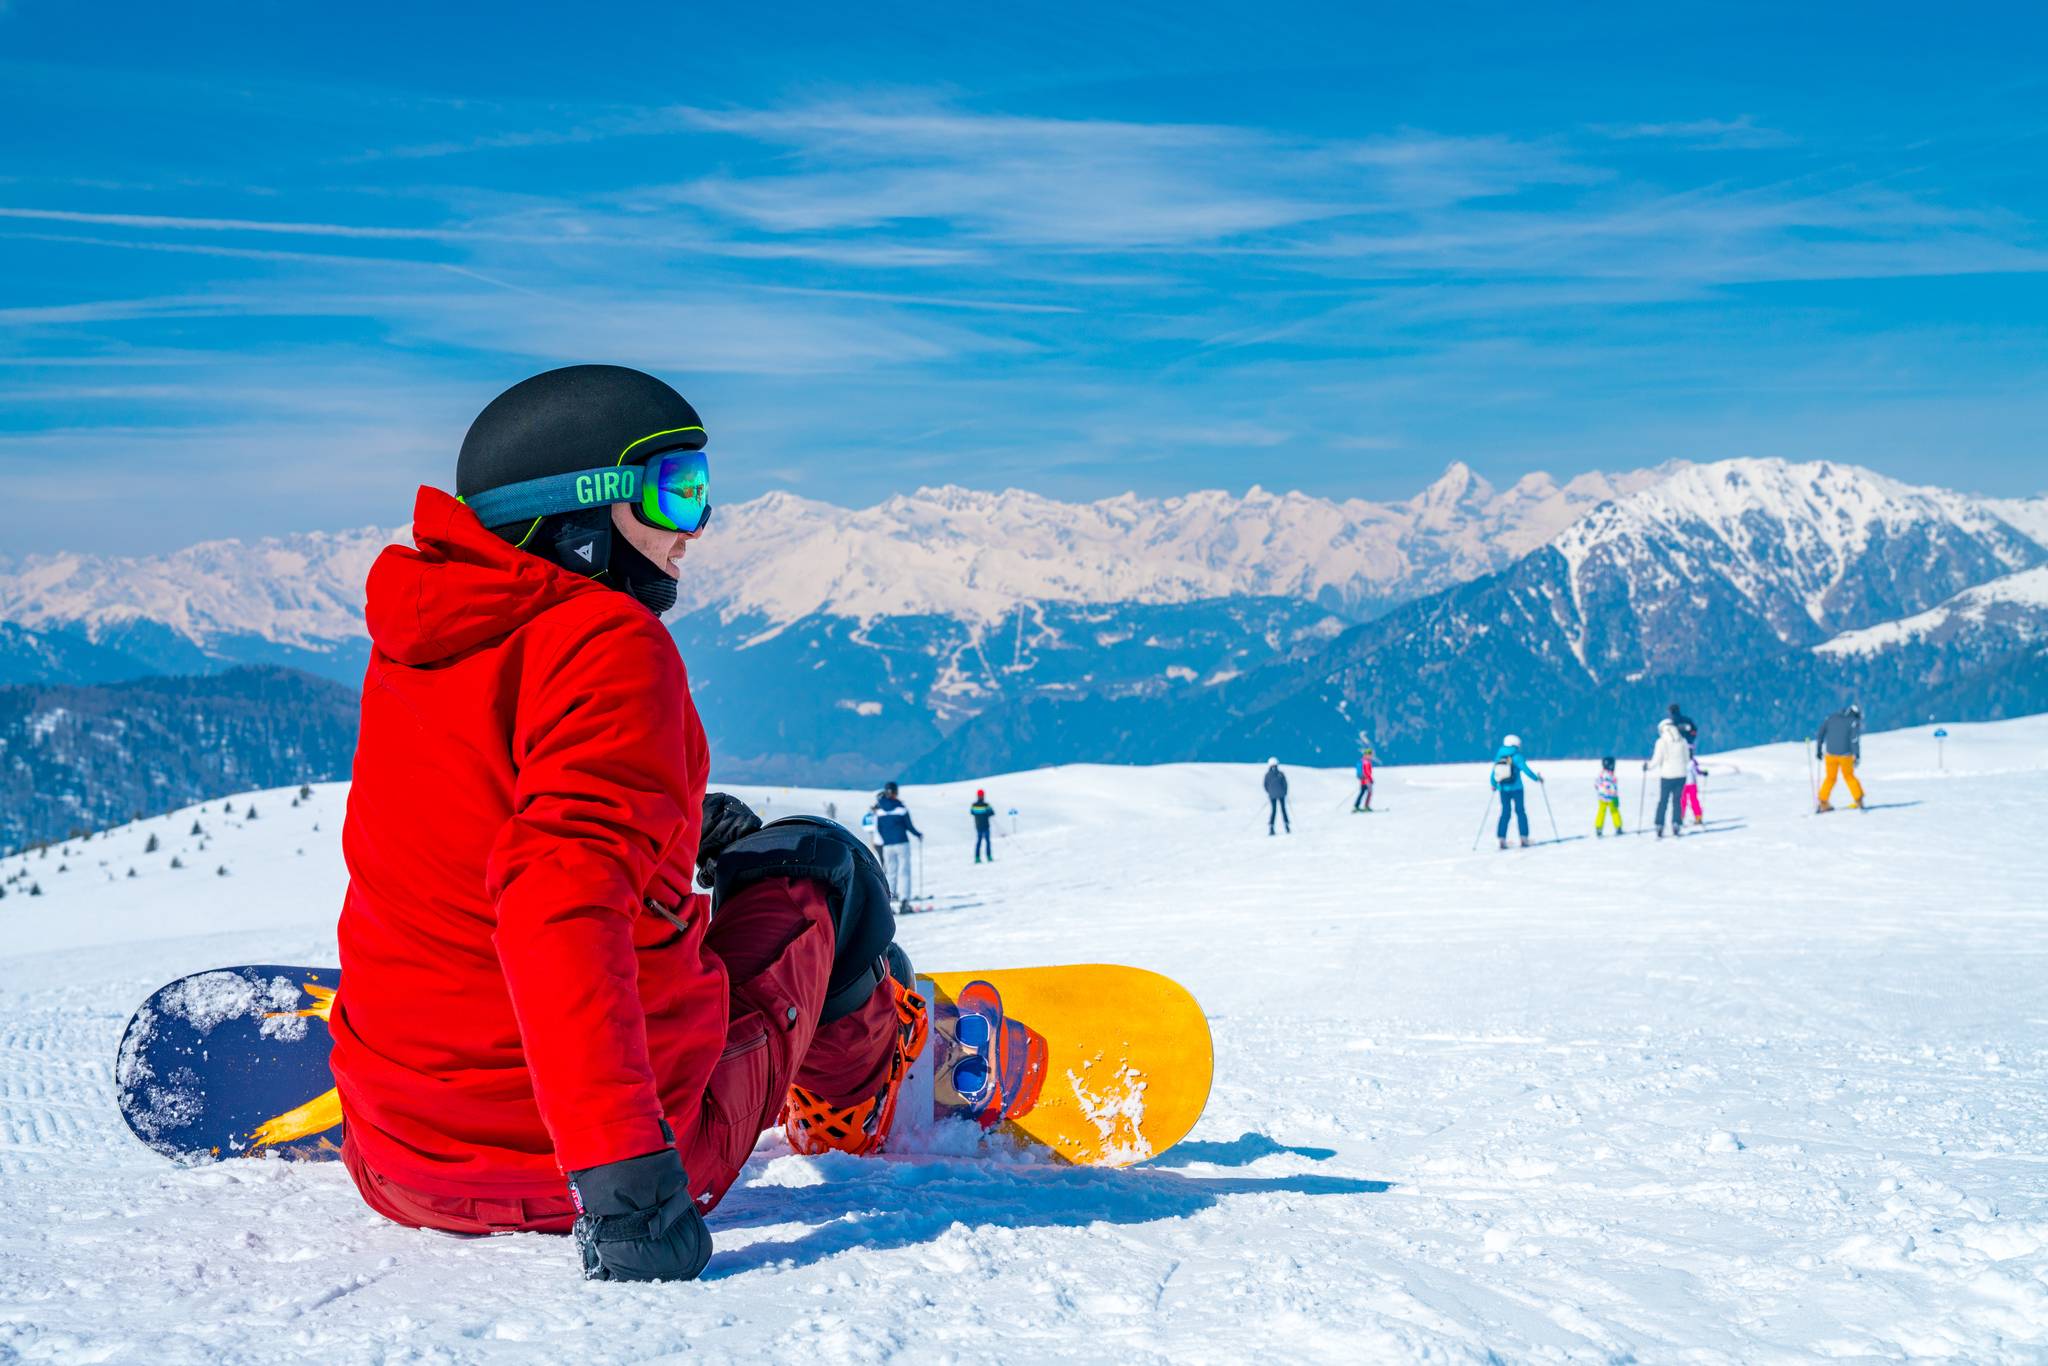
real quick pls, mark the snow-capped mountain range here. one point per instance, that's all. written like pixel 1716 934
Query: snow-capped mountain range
pixel 945 552
pixel 832 643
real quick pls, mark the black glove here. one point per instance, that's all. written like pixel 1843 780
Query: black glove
pixel 638 1221
pixel 726 819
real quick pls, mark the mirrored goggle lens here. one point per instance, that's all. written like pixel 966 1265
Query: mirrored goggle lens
pixel 676 491
pixel 973 1031
pixel 970 1078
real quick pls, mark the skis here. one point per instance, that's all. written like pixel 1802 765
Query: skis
pixel 1869 806
pixel 958 901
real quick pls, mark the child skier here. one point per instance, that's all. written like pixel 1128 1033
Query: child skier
pixel 984 838
pixel 1363 801
pixel 1691 802
pixel 1508 768
pixel 612 1050
pixel 1607 793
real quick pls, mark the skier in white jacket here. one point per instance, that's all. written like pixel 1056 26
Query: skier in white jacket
pixel 1670 761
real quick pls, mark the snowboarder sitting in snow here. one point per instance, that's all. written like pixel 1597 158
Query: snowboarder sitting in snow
pixel 984 837
pixel 1363 801
pixel 1670 761
pixel 894 828
pixel 1276 797
pixel 1607 792
pixel 1839 745
pixel 1508 768
pixel 541 1026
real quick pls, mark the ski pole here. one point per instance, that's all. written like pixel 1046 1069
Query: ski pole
pixel 1544 788
pixel 1484 812
pixel 1642 795
pixel 1812 783
pixel 920 864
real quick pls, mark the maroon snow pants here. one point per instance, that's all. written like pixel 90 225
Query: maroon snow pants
pixel 775 939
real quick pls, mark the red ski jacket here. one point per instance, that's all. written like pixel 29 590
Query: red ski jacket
pixel 530 773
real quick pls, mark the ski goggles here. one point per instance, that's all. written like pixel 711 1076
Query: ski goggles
pixel 669 491
pixel 973 1077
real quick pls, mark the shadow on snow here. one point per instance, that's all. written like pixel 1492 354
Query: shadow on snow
pixel 875 1204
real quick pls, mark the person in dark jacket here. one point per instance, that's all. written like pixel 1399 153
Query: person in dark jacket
pixel 984 836
pixel 1839 745
pixel 616 1049
pixel 1687 731
pixel 894 828
pixel 1276 797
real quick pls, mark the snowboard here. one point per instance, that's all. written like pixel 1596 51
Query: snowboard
pixel 1095 1065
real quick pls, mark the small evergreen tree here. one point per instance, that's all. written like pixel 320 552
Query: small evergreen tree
pixel 131 872
pixel 196 830
pixel 151 847
pixel 35 889
pixel 252 811
pixel 221 871
pixel 305 792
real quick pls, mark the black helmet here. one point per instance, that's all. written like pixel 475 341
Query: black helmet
pixel 580 417
pixel 577 418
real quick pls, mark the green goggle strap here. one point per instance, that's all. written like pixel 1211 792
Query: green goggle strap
pixel 555 493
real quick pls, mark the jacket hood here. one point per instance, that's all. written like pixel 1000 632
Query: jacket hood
pixel 889 803
pixel 457 586
pixel 1668 727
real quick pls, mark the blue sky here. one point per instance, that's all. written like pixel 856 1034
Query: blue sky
pixel 260 265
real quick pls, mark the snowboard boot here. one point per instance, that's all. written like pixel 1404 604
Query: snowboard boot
pixel 815 1125
pixel 1503 842
pixel 1525 841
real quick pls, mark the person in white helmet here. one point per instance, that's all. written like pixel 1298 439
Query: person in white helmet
pixel 1276 797
pixel 1508 770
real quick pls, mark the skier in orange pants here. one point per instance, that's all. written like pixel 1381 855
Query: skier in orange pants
pixel 1839 745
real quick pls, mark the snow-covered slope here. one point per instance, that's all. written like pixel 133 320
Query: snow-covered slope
pixel 2008 612
pixel 1772 1093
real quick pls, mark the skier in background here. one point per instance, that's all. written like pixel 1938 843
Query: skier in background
pixel 1839 745
pixel 1508 768
pixel 1363 801
pixel 983 814
pixel 868 830
pixel 1690 799
pixel 1607 793
pixel 1670 760
pixel 1687 731
pixel 1276 797
pixel 894 826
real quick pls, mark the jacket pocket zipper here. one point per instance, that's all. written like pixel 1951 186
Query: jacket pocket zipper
pixel 744 1046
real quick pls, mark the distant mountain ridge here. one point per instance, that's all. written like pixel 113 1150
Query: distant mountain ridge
pixel 951 631
pixel 1714 585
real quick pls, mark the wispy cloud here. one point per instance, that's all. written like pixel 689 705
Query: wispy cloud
pixel 1742 133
